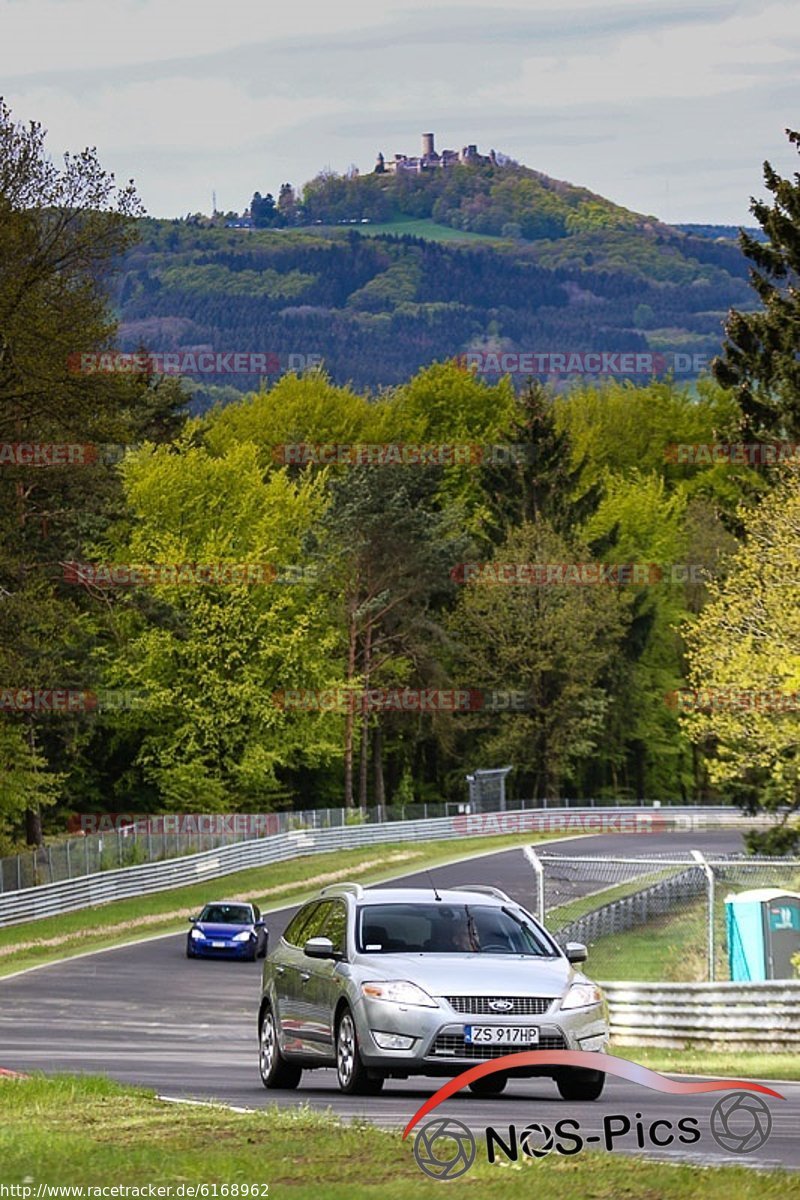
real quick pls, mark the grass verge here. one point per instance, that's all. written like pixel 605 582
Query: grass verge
pixel 727 1064
pixel 90 1132
pixel 669 949
pixel 273 886
pixel 564 914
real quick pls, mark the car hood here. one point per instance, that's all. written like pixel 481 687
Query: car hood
pixel 221 931
pixel 475 974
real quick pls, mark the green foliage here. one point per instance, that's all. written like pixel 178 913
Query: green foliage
pixel 745 660
pixel 477 198
pixel 552 643
pixel 760 360
pixel 217 279
pixel 60 229
pixel 213 659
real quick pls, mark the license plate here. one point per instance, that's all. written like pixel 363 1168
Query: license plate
pixel 218 945
pixel 500 1035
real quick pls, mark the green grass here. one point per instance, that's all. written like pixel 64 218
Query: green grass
pixel 90 1132
pixel 563 914
pixel 670 949
pixel 727 1064
pixel 273 886
pixel 422 227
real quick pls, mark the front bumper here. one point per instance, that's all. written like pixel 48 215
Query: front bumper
pixel 204 949
pixel 439 1047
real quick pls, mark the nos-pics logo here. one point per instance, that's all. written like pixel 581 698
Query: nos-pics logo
pixel 444 1148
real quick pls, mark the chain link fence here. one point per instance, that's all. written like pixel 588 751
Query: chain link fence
pixel 660 918
pixel 133 841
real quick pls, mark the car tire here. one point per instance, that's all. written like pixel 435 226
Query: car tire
pixel 581 1085
pixel 275 1071
pixel 489 1085
pixel 354 1079
pixel 189 951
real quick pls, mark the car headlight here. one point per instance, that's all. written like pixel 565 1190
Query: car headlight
pixel 197 933
pixel 398 991
pixel 244 936
pixel 582 995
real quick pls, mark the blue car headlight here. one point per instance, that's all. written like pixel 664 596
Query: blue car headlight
pixel 197 934
pixel 244 936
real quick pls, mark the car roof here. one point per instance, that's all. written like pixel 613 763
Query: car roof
pixel 228 904
pixel 417 895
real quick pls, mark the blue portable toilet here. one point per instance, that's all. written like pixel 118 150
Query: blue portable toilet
pixel 763 934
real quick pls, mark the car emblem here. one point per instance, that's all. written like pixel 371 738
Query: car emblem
pixel 501 1005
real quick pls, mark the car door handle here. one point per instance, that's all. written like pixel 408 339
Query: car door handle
pixel 280 970
pixel 305 976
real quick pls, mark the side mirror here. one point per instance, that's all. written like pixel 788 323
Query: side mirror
pixel 260 924
pixel 192 920
pixel 320 947
pixel 576 952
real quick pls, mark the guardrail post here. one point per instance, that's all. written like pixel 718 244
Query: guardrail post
pixel 700 859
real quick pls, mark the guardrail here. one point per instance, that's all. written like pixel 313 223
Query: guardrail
pixel 765 1015
pixel 100 888
pixel 635 909
pixel 107 841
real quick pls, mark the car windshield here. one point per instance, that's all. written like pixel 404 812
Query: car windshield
pixel 440 928
pixel 227 914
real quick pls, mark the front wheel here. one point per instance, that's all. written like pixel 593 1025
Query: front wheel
pixel 276 1072
pixel 354 1078
pixel 581 1085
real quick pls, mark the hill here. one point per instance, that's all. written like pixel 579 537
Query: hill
pixel 428 268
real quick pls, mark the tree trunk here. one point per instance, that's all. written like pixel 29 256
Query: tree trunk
pixel 363 765
pixel 377 770
pixel 350 700
pixel 33 827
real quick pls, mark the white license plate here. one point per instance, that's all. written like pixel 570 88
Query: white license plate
pixel 218 945
pixel 500 1035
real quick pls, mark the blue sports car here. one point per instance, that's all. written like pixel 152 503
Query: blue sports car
pixel 227 930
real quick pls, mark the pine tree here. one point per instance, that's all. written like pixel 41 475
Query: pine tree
pixel 761 359
pixel 546 482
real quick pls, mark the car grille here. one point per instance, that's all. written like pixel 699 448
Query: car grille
pixel 524 1006
pixel 449 1045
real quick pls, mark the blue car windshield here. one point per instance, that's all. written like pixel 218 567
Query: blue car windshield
pixel 227 914
pixel 440 928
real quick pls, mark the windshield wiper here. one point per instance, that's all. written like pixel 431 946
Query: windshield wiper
pixel 530 932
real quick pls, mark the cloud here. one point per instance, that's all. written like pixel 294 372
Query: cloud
pixel 634 101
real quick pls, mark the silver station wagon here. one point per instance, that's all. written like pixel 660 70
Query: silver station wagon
pixel 393 982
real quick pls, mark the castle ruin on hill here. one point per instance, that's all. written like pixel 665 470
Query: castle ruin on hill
pixel 431 159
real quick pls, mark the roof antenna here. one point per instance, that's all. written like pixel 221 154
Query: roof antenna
pixel 433 885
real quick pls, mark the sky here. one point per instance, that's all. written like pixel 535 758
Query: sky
pixel 669 109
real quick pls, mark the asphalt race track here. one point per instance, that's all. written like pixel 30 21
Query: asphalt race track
pixel 145 1014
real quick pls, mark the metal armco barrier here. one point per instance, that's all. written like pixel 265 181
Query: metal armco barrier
pixel 636 909
pixel 88 890
pixel 723 1015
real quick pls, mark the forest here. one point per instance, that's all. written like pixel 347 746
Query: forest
pixel 197 615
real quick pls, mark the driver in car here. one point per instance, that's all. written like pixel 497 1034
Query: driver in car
pixel 455 937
